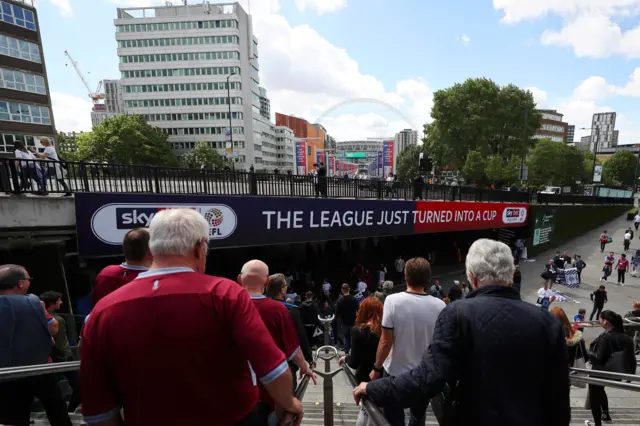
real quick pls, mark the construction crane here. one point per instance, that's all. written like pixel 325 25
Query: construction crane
pixel 95 96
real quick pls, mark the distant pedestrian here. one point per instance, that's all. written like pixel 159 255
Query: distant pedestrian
pixel 623 267
pixel 580 318
pixel 636 220
pixel 580 265
pixel 607 269
pixel 599 298
pixel 436 290
pixel 604 239
pixel 626 242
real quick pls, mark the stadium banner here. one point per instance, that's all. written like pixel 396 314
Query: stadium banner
pixel 332 166
pixel 388 154
pixel 380 164
pixel 320 157
pixel 102 220
pixel 301 158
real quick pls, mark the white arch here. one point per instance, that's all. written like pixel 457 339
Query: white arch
pixel 365 100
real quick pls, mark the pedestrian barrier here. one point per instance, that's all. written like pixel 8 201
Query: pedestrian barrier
pixel 18 177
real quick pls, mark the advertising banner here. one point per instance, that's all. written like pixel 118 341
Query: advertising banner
pixel 380 164
pixel 102 220
pixel 332 166
pixel 301 158
pixel 387 153
pixel 543 228
pixel 338 167
pixel 320 157
pixel 597 174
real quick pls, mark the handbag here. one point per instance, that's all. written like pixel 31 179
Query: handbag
pixel 445 404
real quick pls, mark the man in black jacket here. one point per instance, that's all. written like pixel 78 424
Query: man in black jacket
pixel 309 311
pixel 346 311
pixel 508 357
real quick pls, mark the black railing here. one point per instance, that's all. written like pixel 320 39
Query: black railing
pixel 42 177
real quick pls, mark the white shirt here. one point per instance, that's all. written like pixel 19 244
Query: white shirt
pixel 326 288
pixel 362 287
pixel 390 179
pixel 637 218
pixel 413 318
pixel 399 265
pixel 627 236
pixel 52 154
pixel 21 155
pixel 545 294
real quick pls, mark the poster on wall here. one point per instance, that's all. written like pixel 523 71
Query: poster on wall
pixel 388 156
pixel 597 174
pixel 301 158
pixel 543 229
pixel 102 220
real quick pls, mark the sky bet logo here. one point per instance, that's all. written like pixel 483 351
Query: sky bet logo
pixel 514 215
pixel 134 218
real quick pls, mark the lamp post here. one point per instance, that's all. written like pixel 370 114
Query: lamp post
pixel 230 122
pixel 524 141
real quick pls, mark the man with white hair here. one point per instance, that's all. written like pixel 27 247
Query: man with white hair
pixel 507 358
pixel 175 339
pixel 254 277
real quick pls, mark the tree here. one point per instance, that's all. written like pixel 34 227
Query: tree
pixel 587 175
pixel 203 153
pixel 479 115
pixel 67 148
pixel 494 169
pixel 620 168
pixel 474 167
pixel 512 169
pixel 126 139
pixel 407 164
pixel 555 163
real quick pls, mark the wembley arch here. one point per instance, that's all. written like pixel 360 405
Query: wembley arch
pixel 365 100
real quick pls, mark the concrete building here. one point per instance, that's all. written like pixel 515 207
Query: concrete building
pixel 25 101
pixel 315 135
pixel 285 150
pixel 603 131
pixel 551 126
pixel 113 103
pixel 405 138
pixel 265 104
pixel 584 144
pixel 176 62
pixel 571 131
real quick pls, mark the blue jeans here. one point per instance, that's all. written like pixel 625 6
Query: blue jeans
pixel 417 413
pixel 346 337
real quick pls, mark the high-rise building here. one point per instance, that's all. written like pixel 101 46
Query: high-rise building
pixel 265 104
pixel 404 139
pixel 571 131
pixel 551 126
pixel 25 101
pixel 603 131
pixel 113 102
pixel 285 149
pixel 176 63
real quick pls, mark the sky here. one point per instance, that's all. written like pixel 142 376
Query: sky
pixel 369 68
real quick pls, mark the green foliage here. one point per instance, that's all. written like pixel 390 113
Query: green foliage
pixel 494 169
pixel 479 115
pixel 512 169
pixel 407 164
pixel 620 168
pixel 67 148
pixel 587 175
pixel 203 153
pixel 126 139
pixel 555 163
pixel 474 167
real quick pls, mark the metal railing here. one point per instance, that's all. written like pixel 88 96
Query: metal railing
pixel 12 373
pixel 42 177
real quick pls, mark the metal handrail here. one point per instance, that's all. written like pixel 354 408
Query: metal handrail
pixel 376 415
pixel 602 382
pixel 12 373
pixel 627 322
pixel 605 374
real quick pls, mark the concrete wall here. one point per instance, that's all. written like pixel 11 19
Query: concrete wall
pixel 570 222
pixel 41 212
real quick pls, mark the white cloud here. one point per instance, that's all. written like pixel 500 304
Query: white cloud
pixel 321 6
pixel 64 6
pixel 464 39
pixel 539 96
pixel 590 27
pixel 70 112
pixel 594 88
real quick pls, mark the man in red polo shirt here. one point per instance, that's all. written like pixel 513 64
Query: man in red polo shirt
pixel 137 259
pixel 178 347
pixel 253 278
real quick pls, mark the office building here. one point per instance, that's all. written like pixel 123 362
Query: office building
pixel 265 104
pixel 584 144
pixel 603 131
pixel 551 126
pixel 113 103
pixel 571 130
pixel 404 139
pixel 25 101
pixel 285 150
pixel 315 135
pixel 176 63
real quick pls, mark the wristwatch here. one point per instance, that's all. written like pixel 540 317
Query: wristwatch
pixel 377 370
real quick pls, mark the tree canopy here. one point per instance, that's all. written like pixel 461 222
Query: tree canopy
pixel 474 167
pixel 407 163
pixel 203 153
pixel 620 169
pixel 555 163
pixel 479 115
pixel 126 139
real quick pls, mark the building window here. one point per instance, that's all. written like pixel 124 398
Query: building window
pixel 180 72
pixel 182 41
pixel 173 102
pixel 17 15
pixel 174 57
pixel 23 81
pixel 20 49
pixel 25 113
pixel 173 26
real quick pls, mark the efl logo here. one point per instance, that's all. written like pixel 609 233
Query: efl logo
pixel 512 215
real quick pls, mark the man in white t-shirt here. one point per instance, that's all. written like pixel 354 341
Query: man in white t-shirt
pixel 546 296
pixel 636 221
pixel 408 322
pixel 627 240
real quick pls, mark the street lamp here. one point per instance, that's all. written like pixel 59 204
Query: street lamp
pixel 230 122
pixel 524 141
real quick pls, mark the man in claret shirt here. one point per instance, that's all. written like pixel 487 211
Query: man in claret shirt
pixel 224 345
pixel 136 260
pixel 254 277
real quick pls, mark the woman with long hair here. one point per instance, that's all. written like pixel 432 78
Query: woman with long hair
pixel 365 337
pixel 574 337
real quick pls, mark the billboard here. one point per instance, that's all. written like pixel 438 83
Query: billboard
pixel 320 157
pixel 301 158
pixel 355 155
pixel 388 157
pixel 102 220
pixel 597 174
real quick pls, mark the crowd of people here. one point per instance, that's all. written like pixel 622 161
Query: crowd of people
pixel 167 344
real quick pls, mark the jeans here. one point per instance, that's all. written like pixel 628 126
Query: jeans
pixel 621 273
pixel 599 403
pixel 16 397
pixel 597 310
pixel 346 337
pixel 51 172
pixel 602 245
pixel 417 413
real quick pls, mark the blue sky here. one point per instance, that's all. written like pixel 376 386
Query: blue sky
pixel 577 56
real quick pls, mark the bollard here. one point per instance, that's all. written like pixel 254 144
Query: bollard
pixel 327 382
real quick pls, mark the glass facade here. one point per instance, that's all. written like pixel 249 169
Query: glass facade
pixel 179 131
pixel 181 41
pixel 177 26
pixel 180 87
pixel 20 49
pixel 25 113
pixel 180 72
pixel 175 57
pixel 145 103
pixel 16 15
pixel 23 81
pixel 193 116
